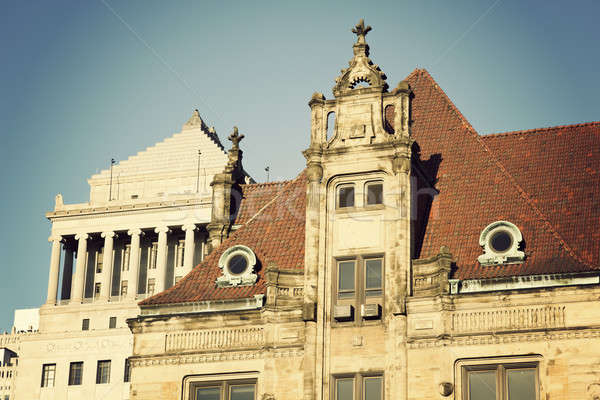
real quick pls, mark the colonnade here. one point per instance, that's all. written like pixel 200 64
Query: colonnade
pixel 75 284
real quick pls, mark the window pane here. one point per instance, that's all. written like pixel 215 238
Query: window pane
pixel 208 393
pixel 521 384
pixel 346 278
pixel 373 388
pixel 346 196
pixel 75 372
pixel 103 372
pixel 482 385
pixel 242 392
pixel 373 275
pixel 375 193
pixel 344 389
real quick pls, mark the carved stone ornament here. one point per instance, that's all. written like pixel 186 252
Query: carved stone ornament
pixel 593 390
pixel 446 388
pixel 361 69
pixel 267 396
pixel 237 265
pixel 500 241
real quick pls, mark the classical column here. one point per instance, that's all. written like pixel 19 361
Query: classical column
pixel 77 288
pixel 107 267
pixel 67 271
pixel 134 262
pixel 54 269
pixel 161 259
pixel 189 247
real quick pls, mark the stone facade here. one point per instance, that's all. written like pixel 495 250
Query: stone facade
pixel 366 316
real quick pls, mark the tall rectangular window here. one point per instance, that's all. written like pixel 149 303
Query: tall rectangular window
pixel 127 371
pixel 99 260
pixel 345 196
pixel 85 324
pixel 346 277
pixel 126 255
pixel 503 381
pixel 75 373
pixel 358 387
pixel 373 277
pixel 180 253
pixel 112 322
pixel 374 193
pixel 150 286
pixel 97 289
pixel 153 256
pixel 48 375
pixel 103 372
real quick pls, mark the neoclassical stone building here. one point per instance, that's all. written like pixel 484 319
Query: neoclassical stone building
pixel 143 229
pixel 412 259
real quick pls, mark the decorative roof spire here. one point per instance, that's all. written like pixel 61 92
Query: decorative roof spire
pixel 362 73
pixel 361 31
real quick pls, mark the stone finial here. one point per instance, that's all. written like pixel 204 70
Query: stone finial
pixel 58 202
pixel 361 31
pixel 361 71
pixel 194 121
pixel 235 138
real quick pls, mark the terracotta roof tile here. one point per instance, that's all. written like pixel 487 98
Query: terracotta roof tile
pixel 275 232
pixel 559 169
pixel 475 189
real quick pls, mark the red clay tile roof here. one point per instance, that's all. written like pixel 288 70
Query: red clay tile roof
pixel 476 189
pixel 545 181
pixel 559 169
pixel 275 232
pixel 255 197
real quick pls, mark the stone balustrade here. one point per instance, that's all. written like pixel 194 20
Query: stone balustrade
pixel 232 338
pixel 535 317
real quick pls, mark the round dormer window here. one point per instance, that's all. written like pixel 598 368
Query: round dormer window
pixel 237 265
pixel 500 241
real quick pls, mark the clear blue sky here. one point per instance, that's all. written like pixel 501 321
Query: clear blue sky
pixel 84 81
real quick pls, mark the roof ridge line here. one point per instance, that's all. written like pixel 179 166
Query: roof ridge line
pixel 520 190
pixel 540 130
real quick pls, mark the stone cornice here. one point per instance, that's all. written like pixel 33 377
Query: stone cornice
pixel 124 209
pixel 504 338
pixel 177 359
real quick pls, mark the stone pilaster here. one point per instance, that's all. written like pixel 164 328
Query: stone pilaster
pixel 54 269
pixel 77 288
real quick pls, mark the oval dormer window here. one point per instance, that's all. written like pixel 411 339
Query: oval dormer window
pixel 237 267
pixel 237 264
pixel 500 241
